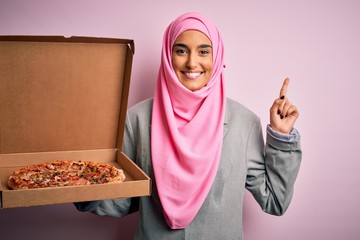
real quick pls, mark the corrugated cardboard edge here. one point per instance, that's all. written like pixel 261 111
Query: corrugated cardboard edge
pixel 75 39
pixel 125 94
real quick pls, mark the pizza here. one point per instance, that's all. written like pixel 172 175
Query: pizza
pixel 65 173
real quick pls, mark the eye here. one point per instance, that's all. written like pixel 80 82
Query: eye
pixel 180 51
pixel 204 52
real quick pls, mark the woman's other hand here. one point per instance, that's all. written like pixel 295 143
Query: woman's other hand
pixel 283 113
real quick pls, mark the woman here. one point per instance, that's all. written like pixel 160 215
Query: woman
pixel 201 148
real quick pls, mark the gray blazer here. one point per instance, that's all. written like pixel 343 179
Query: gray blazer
pixel 268 172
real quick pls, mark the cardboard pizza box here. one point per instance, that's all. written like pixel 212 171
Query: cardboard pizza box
pixel 65 99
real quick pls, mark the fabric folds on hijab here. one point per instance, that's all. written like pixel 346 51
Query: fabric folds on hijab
pixel 187 128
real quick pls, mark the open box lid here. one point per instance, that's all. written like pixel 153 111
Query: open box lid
pixel 60 94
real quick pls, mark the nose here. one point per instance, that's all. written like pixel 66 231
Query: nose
pixel 191 62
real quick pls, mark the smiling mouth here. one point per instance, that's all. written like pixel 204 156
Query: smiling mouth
pixel 192 75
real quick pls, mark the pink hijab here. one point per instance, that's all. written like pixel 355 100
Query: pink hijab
pixel 187 128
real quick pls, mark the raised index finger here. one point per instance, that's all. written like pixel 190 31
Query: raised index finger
pixel 284 87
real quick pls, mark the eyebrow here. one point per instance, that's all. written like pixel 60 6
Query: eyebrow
pixel 185 46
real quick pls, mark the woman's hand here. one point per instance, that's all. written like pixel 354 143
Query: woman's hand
pixel 283 113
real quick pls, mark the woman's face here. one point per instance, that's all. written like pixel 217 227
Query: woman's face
pixel 192 59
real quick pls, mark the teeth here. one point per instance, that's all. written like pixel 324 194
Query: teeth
pixel 193 74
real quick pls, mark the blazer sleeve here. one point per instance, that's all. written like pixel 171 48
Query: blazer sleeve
pixel 272 169
pixel 115 207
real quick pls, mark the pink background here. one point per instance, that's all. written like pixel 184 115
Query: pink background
pixel 315 43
